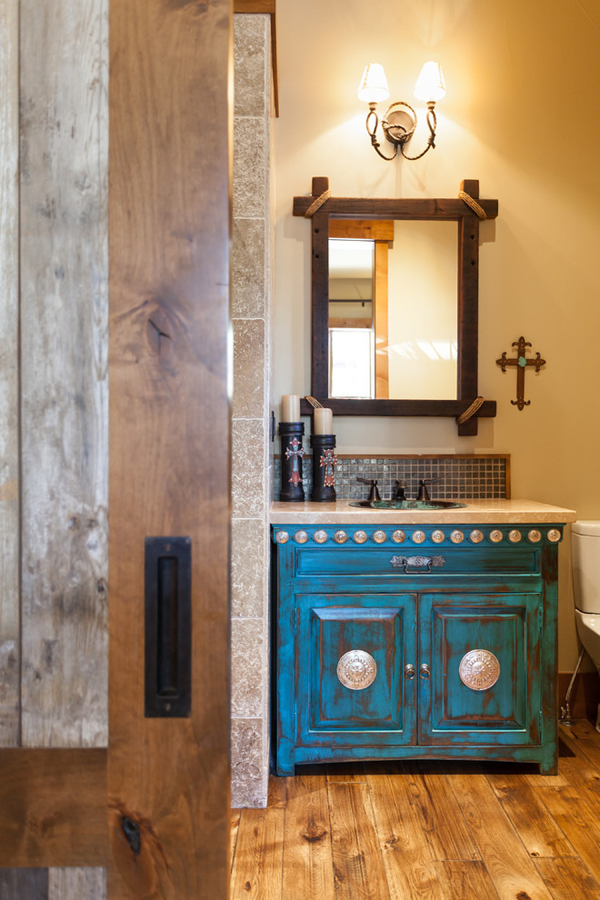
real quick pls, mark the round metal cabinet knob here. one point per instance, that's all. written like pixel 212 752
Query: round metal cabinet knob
pixel 554 535
pixel 438 536
pixel 534 536
pixel 379 537
pixel 301 537
pixel 360 537
pixel 356 670
pixel 320 536
pixel 398 537
pixel 424 672
pixel 282 537
pixel 418 537
pixel 496 536
pixel 476 536
pixel 340 537
pixel 479 670
pixel 457 537
pixel 514 535
pixel 409 672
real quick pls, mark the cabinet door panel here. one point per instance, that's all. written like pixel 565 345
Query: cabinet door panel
pixel 469 709
pixel 330 629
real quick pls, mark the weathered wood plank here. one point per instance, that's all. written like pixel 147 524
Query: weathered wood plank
pixel 568 879
pixel 53 805
pixel 64 138
pixel 77 884
pixel 257 867
pixel 464 878
pixel 308 869
pixel 441 819
pixel 357 863
pixel 170 433
pixel 579 822
pixel 536 827
pixel 9 375
pixel 511 869
pixel 406 856
pixel 24 884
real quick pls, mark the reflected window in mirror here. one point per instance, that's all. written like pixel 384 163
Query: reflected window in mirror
pixel 392 309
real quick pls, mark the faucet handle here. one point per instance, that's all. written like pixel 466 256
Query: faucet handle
pixel 423 492
pixel 373 493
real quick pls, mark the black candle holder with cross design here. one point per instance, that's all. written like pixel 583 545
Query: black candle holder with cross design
pixel 324 463
pixel 292 488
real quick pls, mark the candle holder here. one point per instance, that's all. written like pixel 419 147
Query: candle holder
pixel 324 463
pixel 292 489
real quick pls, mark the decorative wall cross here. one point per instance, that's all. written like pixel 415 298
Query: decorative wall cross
pixel 521 363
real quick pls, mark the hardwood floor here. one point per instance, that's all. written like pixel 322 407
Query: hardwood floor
pixel 435 830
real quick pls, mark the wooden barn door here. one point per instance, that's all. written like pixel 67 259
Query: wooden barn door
pixel 114 440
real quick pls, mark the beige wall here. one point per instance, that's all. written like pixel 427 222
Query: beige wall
pixel 519 115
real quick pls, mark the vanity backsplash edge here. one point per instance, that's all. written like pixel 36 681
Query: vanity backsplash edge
pixel 475 477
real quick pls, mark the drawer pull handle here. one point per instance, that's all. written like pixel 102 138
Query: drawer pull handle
pixel 424 672
pixel 417 565
pixel 409 672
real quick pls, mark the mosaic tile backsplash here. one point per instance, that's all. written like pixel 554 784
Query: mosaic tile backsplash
pixel 472 477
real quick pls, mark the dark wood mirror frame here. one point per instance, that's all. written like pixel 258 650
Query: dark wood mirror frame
pixel 320 208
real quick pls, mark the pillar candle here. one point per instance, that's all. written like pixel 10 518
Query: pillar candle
pixel 323 422
pixel 290 408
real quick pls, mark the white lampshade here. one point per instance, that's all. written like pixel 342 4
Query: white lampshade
pixel 373 85
pixel 430 83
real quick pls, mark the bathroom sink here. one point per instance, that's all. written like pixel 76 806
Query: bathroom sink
pixel 408 504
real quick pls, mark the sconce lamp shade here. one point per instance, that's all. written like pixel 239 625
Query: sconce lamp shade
pixel 430 83
pixel 373 87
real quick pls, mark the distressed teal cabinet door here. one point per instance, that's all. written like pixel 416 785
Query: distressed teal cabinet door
pixel 479 664
pixel 355 676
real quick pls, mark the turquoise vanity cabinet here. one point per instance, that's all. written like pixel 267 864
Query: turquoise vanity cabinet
pixel 423 641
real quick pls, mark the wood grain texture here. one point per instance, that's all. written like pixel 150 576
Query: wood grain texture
pixel 579 822
pixel 307 837
pixel 257 868
pixel 407 858
pixel 64 371
pixel 506 859
pixel 53 806
pixel 460 879
pixel 357 864
pixel 170 433
pixel 9 376
pixel 77 884
pixel 568 879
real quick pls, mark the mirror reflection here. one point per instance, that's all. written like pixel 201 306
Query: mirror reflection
pixel 392 309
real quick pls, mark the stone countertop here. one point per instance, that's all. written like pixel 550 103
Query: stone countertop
pixel 476 512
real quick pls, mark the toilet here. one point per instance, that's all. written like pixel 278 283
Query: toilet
pixel 585 545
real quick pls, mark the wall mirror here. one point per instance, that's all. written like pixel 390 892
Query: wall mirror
pixel 395 303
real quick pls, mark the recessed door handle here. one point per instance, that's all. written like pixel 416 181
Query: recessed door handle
pixel 409 672
pixel 424 672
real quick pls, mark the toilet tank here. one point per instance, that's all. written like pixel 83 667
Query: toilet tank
pixel 585 547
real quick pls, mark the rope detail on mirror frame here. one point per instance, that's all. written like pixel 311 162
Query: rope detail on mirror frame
pixel 469 411
pixel 477 209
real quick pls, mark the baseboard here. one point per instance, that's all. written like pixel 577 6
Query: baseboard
pixel 585 695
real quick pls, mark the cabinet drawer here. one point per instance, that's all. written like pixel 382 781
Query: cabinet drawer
pixel 402 560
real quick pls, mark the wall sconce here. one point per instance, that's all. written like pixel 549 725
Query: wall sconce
pixel 400 120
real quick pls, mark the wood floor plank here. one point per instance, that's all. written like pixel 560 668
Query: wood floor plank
pixel 461 878
pixel 77 884
pixel 23 884
pixel 568 879
pixel 308 868
pixel 258 862
pixel 584 735
pixel 277 793
pixel 233 834
pixel 579 822
pixel 406 856
pixel 510 868
pixel 530 817
pixel 358 867
pixel 442 821
pixel 347 773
